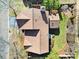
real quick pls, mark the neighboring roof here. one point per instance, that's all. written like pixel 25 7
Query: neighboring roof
pixel 67 1
pixel 35 1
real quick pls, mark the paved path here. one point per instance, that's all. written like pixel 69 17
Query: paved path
pixel 4 48
pixel 77 23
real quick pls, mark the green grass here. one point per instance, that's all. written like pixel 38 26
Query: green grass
pixel 59 40
pixel 76 53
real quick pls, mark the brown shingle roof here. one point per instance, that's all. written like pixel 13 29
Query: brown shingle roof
pixel 26 42
pixel 27 14
pixel 34 40
pixel 38 20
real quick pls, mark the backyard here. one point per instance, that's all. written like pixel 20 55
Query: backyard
pixel 59 40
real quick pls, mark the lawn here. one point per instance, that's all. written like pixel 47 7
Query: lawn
pixel 76 53
pixel 59 40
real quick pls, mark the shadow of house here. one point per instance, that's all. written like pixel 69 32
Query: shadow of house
pixel 36 56
pixel 25 3
pixel 21 22
pixel 50 45
pixel 55 31
pixel 31 2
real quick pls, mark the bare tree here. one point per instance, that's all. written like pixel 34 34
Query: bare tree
pixel 15 7
pixel 12 6
pixel 17 50
pixel 16 40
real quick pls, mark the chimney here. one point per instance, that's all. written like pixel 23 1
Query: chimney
pixel 42 8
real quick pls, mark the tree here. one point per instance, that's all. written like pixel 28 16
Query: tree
pixel 15 7
pixel 12 7
pixel 17 50
pixel 48 4
pixel 56 4
pixel 51 4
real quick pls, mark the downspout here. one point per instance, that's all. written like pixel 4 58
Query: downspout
pixel 33 17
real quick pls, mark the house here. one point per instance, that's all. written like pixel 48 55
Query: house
pixel 34 24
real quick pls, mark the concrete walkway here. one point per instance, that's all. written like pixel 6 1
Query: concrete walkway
pixel 77 23
pixel 4 46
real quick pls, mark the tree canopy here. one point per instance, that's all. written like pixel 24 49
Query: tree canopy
pixel 51 4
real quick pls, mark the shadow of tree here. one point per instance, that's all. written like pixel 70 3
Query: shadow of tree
pixel 30 2
pixel 25 3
